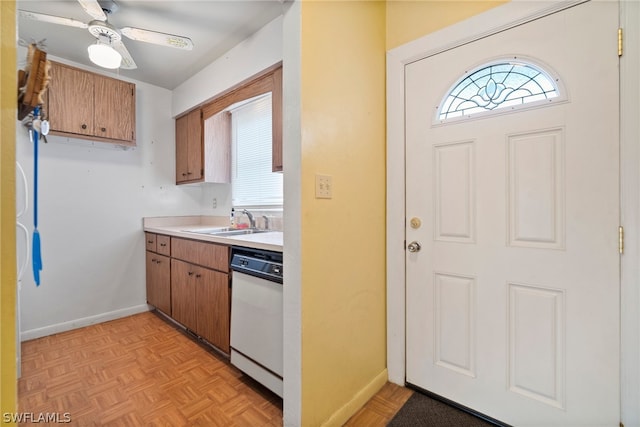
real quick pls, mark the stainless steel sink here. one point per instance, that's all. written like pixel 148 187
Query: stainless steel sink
pixel 209 230
pixel 239 232
pixel 226 231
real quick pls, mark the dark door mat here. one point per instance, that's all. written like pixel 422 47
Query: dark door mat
pixel 423 411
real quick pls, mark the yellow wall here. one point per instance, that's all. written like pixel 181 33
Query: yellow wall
pixel 409 20
pixel 343 116
pixel 8 89
pixel 343 240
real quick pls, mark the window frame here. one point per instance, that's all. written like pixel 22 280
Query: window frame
pixel 264 176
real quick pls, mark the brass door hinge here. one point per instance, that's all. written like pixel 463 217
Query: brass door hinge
pixel 619 41
pixel 621 240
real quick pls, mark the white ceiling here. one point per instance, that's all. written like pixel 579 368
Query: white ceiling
pixel 214 26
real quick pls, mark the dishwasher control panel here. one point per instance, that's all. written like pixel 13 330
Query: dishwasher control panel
pixel 256 262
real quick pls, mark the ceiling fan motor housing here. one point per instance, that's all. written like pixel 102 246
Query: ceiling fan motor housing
pixel 102 29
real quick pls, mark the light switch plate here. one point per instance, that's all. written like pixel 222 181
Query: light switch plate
pixel 324 187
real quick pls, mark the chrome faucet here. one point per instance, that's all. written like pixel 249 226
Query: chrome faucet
pixel 266 222
pixel 252 222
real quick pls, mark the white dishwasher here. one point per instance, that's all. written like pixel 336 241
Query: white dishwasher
pixel 256 315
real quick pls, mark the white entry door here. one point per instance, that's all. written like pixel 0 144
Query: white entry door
pixel 513 295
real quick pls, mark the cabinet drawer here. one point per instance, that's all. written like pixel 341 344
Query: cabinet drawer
pixel 150 239
pixel 205 254
pixel 163 244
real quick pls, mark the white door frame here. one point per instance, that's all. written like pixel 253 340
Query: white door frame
pixel 498 19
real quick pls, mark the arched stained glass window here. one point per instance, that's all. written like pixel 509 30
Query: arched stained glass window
pixel 501 84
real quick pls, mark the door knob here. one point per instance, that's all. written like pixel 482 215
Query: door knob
pixel 414 247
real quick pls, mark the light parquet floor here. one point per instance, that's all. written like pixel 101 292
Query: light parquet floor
pixel 143 371
pixel 381 408
pixel 139 371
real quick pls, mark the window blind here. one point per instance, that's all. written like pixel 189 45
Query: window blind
pixel 253 183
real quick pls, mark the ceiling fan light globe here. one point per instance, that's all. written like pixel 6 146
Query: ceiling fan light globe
pixel 104 56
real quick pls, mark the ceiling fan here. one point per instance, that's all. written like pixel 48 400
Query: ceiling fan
pixel 109 38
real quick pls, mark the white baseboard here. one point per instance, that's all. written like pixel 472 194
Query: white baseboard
pixel 80 323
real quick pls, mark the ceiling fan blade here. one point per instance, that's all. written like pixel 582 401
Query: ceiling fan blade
pixel 93 8
pixel 155 37
pixel 127 61
pixel 51 19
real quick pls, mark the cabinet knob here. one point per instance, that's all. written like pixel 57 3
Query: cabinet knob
pixel 163 244
pixel 83 126
pixel 184 174
pixel 149 241
pixel 153 260
pixel 189 173
pixel 103 129
pixel 190 273
pixel 198 275
pixel 158 262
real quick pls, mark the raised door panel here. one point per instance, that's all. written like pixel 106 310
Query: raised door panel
pixel 71 100
pixel 183 294
pixel 213 307
pixel 115 109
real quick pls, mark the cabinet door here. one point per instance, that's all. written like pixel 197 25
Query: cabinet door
pixel 189 155
pixel 195 159
pixel 183 293
pixel 182 147
pixel 115 108
pixel 151 277
pixel 159 282
pixel 71 100
pixel 213 307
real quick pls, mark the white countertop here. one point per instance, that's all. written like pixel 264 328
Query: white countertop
pixel 187 228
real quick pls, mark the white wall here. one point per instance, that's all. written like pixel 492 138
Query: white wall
pixel 254 54
pixel 292 135
pixel 92 197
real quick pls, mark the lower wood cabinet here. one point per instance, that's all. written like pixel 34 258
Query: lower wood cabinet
pixel 183 294
pixel 200 300
pixel 213 307
pixel 189 281
pixel 159 282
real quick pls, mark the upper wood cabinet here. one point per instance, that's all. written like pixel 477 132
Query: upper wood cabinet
pixel 189 151
pixel 203 156
pixel 213 124
pixel 86 105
